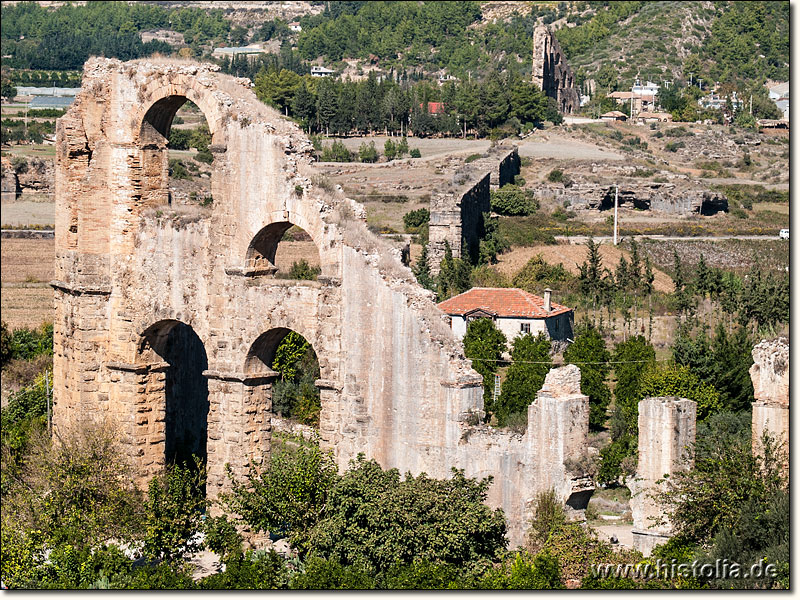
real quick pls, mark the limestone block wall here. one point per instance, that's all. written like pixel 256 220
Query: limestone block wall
pixel 458 220
pixel 551 72
pixel 156 303
pixel 666 438
pixel 770 375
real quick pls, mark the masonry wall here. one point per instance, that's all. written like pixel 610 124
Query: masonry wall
pixel 551 72
pixel 131 271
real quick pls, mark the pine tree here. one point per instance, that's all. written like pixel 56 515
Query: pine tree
pixel 588 352
pixel 530 364
pixel 422 270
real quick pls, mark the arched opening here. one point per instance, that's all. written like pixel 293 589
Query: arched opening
pixel 284 251
pixel 179 386
pixel 177 161
pixel 294 393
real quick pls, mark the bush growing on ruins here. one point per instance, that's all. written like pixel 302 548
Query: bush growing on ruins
pixel 484 344
pixel 512 200
pixel 302 270
pixel 555 176
pixel 588 352
pixel 530 362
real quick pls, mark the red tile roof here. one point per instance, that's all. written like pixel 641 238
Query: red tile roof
pixel 503 302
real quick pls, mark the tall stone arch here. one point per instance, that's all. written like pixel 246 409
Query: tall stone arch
pixel 394 381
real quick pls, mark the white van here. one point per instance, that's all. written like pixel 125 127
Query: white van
pixel 784 234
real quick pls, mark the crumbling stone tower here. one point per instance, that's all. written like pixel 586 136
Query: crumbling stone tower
pixel 770 375
pixel 167 318
pixel 552 73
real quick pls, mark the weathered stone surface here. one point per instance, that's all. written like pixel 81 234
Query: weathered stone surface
pixel 131 269
pixel 552 73
pixel 770 375
pixel 457 217
pixel 666 437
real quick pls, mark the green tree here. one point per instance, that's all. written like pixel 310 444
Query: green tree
pixel 632 359
pixel 288 355
pixel 422 270
pixel 172 513
pixel 530 363
pixel 484 345
pixel 370 515
pixel 287 497
pixel 588 352
pixel 453 277
pixel 680 381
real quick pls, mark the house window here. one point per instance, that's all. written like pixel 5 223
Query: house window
pixel 525 327
pixel 557 322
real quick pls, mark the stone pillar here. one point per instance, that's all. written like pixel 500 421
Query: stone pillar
pixel 770 375
pixel 666 439
pixel 239 424
pixel 558 438
pixel 330 394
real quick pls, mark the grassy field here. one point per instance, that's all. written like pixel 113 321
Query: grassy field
pixel 27 268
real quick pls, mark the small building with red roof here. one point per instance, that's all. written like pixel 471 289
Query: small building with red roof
pixel 514 312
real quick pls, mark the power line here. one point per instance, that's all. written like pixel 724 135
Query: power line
pixel 577 364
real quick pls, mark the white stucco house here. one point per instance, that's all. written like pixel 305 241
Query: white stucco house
pixel 514 312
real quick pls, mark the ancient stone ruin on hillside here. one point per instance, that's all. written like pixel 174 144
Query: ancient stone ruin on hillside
pixel 551 71
pixel 168 317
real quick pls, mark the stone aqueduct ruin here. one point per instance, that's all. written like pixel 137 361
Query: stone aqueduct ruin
pixel 167 318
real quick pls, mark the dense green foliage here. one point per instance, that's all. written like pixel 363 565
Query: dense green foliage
pixel 733 503
pixel 484 344
pixel 26 344
pixel 453 277
pixel 374 519
pixel 295 393
pixel 62 39
pixel 530 362
pixel 511 200
pixel 588 352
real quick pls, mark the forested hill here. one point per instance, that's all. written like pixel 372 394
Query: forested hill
pixel 720 41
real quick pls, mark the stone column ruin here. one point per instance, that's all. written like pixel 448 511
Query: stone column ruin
pixel 666 438
pixel 770 375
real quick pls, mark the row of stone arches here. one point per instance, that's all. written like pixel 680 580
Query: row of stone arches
pixel 176 386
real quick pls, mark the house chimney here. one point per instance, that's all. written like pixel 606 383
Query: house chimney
pixel 547 293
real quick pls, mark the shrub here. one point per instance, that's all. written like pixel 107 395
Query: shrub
pixel 415 153
pixel 511 200
pixel 674 146
pixel 287 497
pixel 414 219
pixel 329 574
pixel 178 170
pixel 447 520
pixel 254 570
pixel 555 176
pixel 367 153
pixel 336 152
pixel 302 270
pixel 390 150
pixel 175 501
pixel 472 157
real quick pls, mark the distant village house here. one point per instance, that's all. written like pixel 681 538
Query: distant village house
pixel 515 312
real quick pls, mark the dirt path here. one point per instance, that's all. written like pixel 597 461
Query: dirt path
pixel 624 533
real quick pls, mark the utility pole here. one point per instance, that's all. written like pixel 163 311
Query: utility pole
pixel 616 203
pixel 751 105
